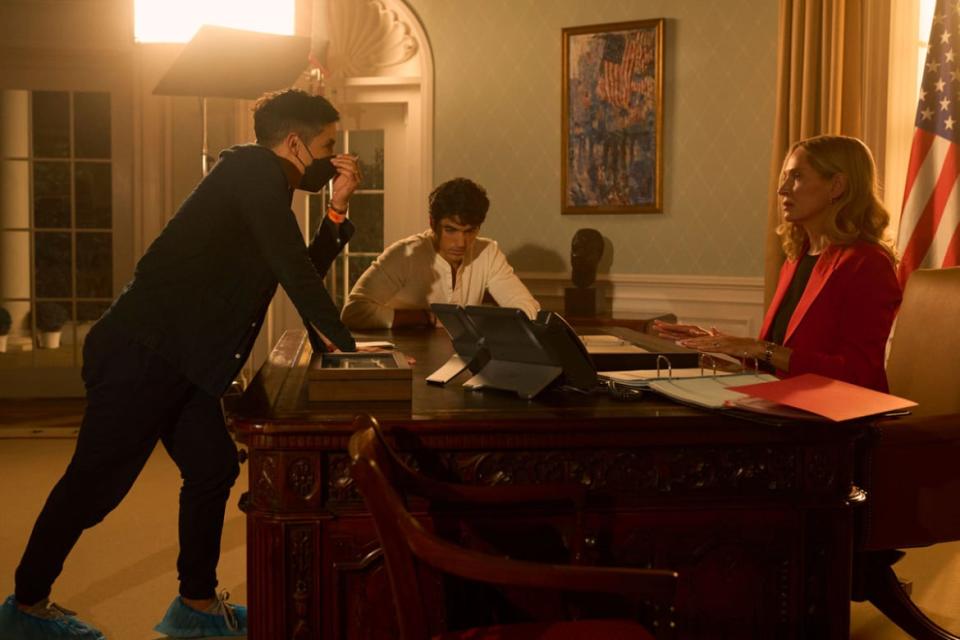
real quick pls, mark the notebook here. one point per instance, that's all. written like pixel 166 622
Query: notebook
pixel 711 392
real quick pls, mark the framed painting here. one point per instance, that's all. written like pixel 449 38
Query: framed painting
pixel 612 118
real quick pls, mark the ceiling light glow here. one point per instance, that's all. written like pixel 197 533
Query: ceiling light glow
pixel 178 20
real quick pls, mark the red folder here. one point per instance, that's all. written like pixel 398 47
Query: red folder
pixel 827 397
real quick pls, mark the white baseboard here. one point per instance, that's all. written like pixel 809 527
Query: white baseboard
pixel 731 304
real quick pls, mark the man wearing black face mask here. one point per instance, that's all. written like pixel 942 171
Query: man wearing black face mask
pixel 158 361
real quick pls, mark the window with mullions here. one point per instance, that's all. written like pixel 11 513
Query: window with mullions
pixel 366 212
pixel 56 223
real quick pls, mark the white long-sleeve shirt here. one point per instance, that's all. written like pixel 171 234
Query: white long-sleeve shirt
pixel 410 274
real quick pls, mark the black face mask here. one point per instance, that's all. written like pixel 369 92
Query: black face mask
pixel 317 174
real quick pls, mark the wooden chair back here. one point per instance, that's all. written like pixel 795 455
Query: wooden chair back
pixel 372 470
pixel 381 477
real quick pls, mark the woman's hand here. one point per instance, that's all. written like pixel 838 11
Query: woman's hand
pixel 730 345
pixel 672 331
pixel 713 341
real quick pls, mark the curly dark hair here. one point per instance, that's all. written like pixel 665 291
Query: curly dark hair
pixel 278 113
pixel 460 198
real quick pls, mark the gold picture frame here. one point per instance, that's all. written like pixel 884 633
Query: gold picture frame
pixel 612 118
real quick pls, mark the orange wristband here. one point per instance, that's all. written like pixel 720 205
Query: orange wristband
pixel 335 215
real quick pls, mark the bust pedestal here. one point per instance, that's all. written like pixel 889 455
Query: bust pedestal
pixel 583 302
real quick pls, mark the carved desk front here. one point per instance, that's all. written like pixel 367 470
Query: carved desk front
pixel 754 517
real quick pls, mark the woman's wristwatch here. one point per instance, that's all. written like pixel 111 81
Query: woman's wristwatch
pixel 768 348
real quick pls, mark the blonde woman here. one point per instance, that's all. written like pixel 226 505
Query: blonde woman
pixel 838 292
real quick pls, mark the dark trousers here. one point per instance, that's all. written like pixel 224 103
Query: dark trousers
pixel 134 399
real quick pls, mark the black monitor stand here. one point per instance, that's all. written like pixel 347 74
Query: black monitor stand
pixel 468 352
pixel 526 380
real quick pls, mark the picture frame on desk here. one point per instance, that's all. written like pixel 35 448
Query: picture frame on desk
pixel 612 118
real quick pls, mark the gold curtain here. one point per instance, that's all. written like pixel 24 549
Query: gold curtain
pixel 831 78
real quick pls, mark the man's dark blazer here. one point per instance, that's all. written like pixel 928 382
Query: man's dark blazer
pixel 200 292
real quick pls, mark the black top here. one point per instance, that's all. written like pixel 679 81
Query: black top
pixel 778 330
pixel 200 292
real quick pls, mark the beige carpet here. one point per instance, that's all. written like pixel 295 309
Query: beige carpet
pixel 122 575
pixel 935 573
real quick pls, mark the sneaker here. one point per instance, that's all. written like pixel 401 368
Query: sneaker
pixel 221 620
pixel 43 621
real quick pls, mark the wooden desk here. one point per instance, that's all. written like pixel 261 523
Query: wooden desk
pixel 755 518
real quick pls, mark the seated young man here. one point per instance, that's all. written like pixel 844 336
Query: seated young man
pixel 446 263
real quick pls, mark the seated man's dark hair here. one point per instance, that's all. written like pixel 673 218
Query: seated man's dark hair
pixel 278 113
pixel 462 198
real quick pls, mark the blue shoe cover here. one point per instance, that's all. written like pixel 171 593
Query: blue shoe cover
pixel 46 622
pixel 221 621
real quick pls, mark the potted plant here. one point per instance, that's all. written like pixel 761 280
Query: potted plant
pixel 4 328
pixel 51 317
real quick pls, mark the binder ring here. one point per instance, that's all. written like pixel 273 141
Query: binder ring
pixel 713 363
pixel 669 366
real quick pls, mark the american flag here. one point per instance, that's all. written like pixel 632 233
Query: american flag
pixel 621 57
pixel 929 235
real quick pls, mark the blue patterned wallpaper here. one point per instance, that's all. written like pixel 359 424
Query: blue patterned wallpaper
pixel 497 120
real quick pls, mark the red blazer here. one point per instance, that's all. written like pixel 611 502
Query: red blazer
pixel 841 324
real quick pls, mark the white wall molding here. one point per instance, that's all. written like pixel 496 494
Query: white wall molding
pixel 369 36
pixel 729 303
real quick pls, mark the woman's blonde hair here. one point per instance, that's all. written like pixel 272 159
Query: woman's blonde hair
pixel 858 214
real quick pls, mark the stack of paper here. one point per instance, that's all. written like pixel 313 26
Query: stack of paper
pixel 643 377
pixel 375 345
pixel 609 344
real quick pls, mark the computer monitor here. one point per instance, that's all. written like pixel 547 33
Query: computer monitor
pixel 519 361
pixel 508 334
pixel 463 334
pixel 509 351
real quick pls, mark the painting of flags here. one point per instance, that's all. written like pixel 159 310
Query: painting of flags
pixel 612 118
pixel 929 233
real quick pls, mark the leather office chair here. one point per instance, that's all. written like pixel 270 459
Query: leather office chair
pixel 924 362
pixel 408 548
pixel 909 467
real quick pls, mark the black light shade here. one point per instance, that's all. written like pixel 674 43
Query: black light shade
pixel 232 63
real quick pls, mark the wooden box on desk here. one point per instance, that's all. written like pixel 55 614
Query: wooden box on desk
pixel 381 376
